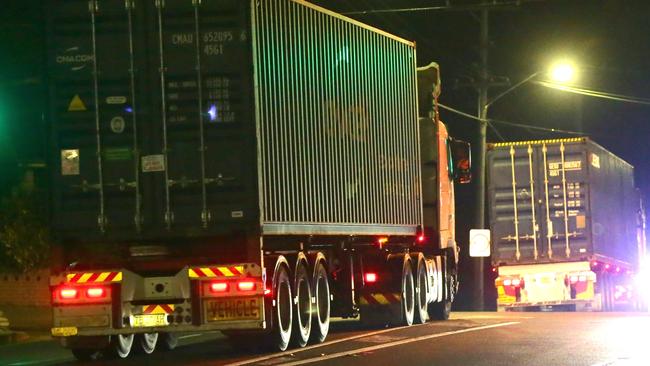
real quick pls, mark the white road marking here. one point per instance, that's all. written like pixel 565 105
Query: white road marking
pixel 190 336
pixel 396 343
pixel 293 351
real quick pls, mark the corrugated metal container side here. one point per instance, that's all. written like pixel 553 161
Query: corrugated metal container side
pixel 560 200
pixel 170 117
pixel 339 152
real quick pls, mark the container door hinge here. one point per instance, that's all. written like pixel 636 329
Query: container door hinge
pixel 196 2
pixel 159 3
pixel 129 4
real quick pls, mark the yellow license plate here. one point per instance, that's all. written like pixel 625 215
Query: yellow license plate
pixel 64 331
pixel 149 320
pixel 233 309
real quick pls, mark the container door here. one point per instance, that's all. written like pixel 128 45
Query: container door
pixel 566 227
pixel 201 96
pixel 514 210
pixel 94 93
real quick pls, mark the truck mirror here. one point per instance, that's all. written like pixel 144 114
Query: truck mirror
pixel 462 161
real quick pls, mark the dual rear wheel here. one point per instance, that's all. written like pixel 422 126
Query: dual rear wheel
pixel 301 306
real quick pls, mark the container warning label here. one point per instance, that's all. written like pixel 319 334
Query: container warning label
pixel 153 163
pixel 76 104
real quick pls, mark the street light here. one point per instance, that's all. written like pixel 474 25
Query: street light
pixel 560 73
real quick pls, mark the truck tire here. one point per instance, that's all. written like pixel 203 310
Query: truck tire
pixel 85 354
pixel 146 343
pixel 283 310
pixel 321 321
pixel 302 306
pixel 421 287
pixel 407 303
pixel 167 341
pixel 120 346
pixel 439 310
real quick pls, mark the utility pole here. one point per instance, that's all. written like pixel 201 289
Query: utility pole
pixel 482 87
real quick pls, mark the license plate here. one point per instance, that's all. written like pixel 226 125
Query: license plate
pixel 233 309
pixel 149 320
pixel 64 331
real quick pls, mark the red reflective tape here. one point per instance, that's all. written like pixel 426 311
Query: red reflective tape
pixel 234 271
pixel 167 309
pixel 216 271
pixel 76 278
pixel 149 309
pixel 199 272
pixel 393 298
pixel 93 277
pixel 110 277
pixel 371 300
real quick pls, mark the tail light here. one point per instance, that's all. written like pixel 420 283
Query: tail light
pixel 246 286
pixel 80 295
pixel 68 293
pixel 421 238
pixel 96 293
pixel 370 277
pixel 219 287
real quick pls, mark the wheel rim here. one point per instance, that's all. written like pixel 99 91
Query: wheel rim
pixel 322 298
pixel 123 345
pixel 149 341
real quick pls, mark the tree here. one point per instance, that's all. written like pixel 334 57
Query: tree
pixel 24 234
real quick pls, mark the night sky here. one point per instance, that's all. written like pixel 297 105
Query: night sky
pixel 608 39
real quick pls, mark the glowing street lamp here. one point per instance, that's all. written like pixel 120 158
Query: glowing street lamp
pixel 562 72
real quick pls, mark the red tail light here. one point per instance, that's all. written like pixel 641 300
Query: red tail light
pixel 421 238
pixel 219 287
pixel 267 292
pixel 96 292
pixel 371 277
pixel 68 293
pixel 246 286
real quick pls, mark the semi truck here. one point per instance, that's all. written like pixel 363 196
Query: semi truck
pixel 567 226
pixel 251 167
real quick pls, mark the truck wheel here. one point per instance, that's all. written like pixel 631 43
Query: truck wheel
pixel 439 310
pixel 283 312
pixel 84 354
pixel 321 321
pixel 407 306
pixel 421 314
pixel 120 346
pixel 167 341
pixel 302 308
pixel 146 342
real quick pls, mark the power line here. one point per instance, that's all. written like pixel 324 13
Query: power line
pixel 447 7
pixel 511 124
pixel 595 93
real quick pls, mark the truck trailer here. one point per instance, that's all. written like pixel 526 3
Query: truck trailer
pixel 566 222
pixel 252 167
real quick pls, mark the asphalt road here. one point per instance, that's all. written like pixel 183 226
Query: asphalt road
pixel 482 339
